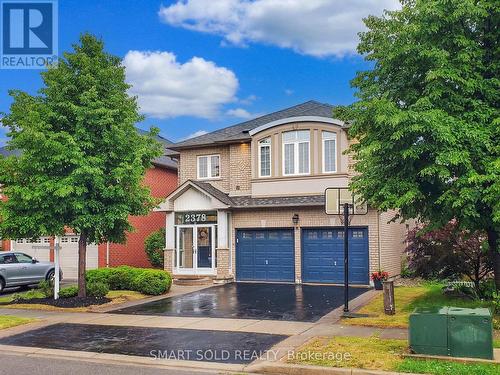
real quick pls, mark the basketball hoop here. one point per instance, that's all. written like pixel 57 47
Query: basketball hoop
pixel 341 217
pixel 344 204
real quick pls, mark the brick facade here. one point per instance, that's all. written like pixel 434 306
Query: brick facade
pixel 390 248
pixel 162 182
pixel 238 176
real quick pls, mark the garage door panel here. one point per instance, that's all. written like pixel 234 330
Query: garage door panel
pixel 323 255
pixel 265 255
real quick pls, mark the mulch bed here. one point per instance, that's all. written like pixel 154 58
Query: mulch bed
pixel 62 302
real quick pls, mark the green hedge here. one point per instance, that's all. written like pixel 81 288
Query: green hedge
pixel 143 280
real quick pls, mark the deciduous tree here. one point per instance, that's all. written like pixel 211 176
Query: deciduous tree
pixel 427 119
pixel 82 160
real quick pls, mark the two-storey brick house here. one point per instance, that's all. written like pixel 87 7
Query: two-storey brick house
pixel 250 204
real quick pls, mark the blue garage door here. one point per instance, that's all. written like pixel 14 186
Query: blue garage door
pixel 265 255
pixel 323 255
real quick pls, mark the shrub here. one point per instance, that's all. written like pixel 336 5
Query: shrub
pixel 121 278
pixel 448 253
pixel 131 278
pixel 46 288
pixel 68 292
pixel 100 275
pixel 30 294
pixel 154 245
pixel 97 289
pixel 152 282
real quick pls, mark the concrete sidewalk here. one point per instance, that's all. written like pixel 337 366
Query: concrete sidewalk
pixel 215 324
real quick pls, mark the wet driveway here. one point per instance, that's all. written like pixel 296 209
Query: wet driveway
pixel 288 302
pixel 156 343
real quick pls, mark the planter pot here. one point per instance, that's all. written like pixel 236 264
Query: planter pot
pixel 378 284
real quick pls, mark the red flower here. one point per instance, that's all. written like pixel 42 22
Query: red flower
pixel 380 275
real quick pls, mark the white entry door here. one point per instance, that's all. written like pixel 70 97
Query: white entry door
pixel 195 253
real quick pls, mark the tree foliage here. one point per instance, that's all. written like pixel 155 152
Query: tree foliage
pixel 82 160
pixel 154 245
pixel 427 119
pixel 448 253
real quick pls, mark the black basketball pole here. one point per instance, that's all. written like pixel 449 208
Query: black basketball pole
pixel 346 257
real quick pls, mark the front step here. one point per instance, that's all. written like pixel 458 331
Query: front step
pixel 192 280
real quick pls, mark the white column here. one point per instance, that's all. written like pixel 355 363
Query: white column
pixel 222 235
pixel 170 231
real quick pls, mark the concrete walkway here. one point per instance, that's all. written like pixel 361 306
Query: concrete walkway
pixel 299 332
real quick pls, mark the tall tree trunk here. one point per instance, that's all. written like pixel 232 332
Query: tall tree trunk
pixel 82 252
pixel 494 253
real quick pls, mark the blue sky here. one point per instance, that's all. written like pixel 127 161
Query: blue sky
pixel 198 65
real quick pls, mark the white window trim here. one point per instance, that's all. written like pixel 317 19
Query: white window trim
pixel 209 167
pixel 295 156
pixel 270 157
pixel 323 161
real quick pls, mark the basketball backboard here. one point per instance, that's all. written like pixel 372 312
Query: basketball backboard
pixel 335 198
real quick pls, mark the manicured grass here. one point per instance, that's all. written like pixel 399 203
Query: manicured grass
pixel 7 321
pixel 436 367
pixel 128 295
pixel 407 299
pixel 32 293
pixel 496 343
pixel 360 352
pixel 373 353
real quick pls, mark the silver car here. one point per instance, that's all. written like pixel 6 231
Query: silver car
pixel 18 269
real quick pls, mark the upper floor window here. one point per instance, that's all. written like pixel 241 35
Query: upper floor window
pixel 208 166
pixel 329 152
pixel 265 157
pixel 296 152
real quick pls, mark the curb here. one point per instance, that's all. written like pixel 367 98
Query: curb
pixel 287 369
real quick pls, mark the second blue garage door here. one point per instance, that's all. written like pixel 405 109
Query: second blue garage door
pixel 323 255
pixel 265 255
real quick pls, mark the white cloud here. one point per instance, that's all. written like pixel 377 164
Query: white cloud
pixel 168 88
pixel 240 113
pixel 248 100
pixel 195 134
pixel 313 27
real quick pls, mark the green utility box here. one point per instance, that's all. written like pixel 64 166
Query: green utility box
pixel 452 331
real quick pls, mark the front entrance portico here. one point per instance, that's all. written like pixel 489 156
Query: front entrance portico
pixel 197 232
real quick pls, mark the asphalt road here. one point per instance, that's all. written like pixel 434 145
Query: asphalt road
pixel 23 365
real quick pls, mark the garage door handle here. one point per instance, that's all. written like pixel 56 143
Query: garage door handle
pixel 267 261
pixel 335 263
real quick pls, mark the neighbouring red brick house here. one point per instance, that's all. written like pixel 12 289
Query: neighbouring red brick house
pixel 162 180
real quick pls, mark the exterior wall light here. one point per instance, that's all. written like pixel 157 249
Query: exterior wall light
pixel 295 219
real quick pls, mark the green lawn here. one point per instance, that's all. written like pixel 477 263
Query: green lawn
pixel 407 299
pixel 435 367
pixel 29 294
pixel 7 321
pixel 374 353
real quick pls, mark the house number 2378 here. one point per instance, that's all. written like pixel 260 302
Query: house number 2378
pixel 195 218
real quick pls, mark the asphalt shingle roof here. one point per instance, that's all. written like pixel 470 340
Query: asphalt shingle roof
pixel 250 202
pixel 163 161
pixel 239 132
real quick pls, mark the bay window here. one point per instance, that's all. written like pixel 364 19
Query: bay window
pixel 329 152
pixel 296 152
pixel 265 157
